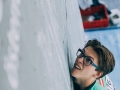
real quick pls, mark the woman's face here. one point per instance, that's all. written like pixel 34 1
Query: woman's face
pixel 80 70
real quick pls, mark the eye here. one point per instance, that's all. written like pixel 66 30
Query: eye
pixel 87 60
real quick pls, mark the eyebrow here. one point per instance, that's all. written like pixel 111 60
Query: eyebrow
pixel 87 55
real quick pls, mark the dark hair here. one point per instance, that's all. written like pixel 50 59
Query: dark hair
pixel 106 61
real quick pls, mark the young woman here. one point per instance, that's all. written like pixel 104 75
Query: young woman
pixel 92 64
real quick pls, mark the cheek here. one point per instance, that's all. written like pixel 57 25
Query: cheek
pixel 88 70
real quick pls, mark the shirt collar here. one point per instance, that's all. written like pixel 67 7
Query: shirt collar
pixel 90 85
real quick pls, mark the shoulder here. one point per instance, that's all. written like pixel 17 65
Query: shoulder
pixel 100 84
pixel 103 84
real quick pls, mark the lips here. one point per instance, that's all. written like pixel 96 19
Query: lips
pixel 77 66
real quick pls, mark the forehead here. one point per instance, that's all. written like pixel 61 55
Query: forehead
pixel 89 51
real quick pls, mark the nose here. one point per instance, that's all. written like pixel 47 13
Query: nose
pixel 80 60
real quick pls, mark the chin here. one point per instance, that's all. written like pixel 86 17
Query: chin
pixel 74 72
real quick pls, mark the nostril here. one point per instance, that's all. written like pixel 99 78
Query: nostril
pixel 80 60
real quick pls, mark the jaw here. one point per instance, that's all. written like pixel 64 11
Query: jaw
pixel 82 74
pixel 76 72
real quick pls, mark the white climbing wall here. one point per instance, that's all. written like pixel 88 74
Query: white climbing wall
pixel 38 43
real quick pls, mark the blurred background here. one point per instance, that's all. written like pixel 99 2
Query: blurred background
pixel 39 40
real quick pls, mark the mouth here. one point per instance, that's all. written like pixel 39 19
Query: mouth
pixel 77 67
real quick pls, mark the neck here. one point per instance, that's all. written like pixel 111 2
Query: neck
pixel 83 83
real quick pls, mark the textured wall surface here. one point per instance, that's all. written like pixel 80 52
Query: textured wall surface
pixel 38 43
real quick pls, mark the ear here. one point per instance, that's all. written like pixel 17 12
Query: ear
pixel 98 74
